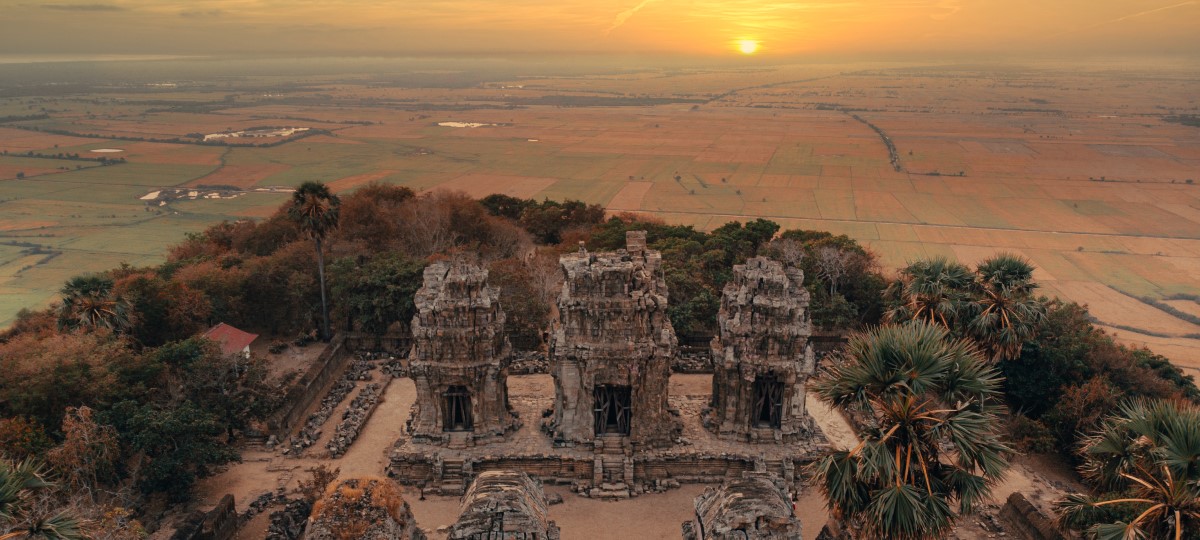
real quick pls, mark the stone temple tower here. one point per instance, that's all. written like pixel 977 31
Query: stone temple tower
pixel 459 358
pixel 612 347
pixel 762 358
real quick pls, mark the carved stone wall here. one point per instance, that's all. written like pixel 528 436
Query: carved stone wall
pixel 613 332
pixel 754 507
pixel 762 358
pixel 504 504
pixel 460 356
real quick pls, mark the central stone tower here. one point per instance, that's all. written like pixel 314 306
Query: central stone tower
pixel 612 348
pixel 460 358
pixel 762 358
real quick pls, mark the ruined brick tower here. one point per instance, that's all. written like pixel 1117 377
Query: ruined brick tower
pixel 612 348
pixel 762 358
pixel 459 359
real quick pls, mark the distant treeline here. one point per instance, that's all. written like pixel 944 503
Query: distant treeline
pixel 602 101
pixel 103 160
pixel 1025 110
pixel 181 140
pixel 1185 119
pixel 19 118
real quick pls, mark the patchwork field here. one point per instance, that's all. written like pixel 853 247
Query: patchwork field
pixel 1079 170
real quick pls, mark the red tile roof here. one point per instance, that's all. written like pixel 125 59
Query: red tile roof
pixel 232 340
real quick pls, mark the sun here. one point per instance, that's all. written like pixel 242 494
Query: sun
pixel 747 46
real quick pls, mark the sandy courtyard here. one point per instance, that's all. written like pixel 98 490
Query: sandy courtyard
pixel 649 516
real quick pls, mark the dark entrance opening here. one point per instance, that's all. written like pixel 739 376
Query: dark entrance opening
pixel 768 402
pixel 457 411
pixel 612 409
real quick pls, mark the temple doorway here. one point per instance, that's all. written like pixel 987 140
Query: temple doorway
pixel 768 402
pixel 613 409
pixel 457 410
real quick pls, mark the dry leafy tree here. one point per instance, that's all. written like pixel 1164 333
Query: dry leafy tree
pixel 315 210
pixel 21 517
pixel 930 448
pixel 319 478
pixel 88 454
pixel 832 264
pixel 1146 461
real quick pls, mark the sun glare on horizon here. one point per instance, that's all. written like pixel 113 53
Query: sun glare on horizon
pixel 747 46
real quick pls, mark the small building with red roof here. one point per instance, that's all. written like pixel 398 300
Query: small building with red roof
pixel 231 340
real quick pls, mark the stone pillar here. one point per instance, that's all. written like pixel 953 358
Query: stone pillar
pixel 613 333
pixel 762 353
pixel 459 347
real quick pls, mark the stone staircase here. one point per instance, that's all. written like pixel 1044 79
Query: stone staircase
pixel 454 481
pixel 612 474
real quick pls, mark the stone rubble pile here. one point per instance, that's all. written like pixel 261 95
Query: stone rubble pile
pixel 692 360
pixel 358 370
pixel 353 420
pixel 288 523
pixel 257 506
pixel 529 363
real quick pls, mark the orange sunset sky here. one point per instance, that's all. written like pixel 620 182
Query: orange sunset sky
pixel 677 27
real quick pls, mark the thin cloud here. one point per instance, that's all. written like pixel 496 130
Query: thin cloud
pixel 202 13
pixel 1149 11
pixel 951 7
pixel 625 15
pixel 83 7
pixel 1128 17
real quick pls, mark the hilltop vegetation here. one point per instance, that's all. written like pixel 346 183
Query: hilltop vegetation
pixel 117 362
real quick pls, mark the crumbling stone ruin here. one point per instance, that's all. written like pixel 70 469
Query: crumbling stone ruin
pixel 353 420
pixel 762 357
pixel 459 359
pixel 611 349
pixel 289 522
pixel 754 507
pixel 504 505
pixel 359 370
pixel 363 508
pixel 611 431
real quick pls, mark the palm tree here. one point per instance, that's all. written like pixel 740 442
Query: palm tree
pixel 930 451
pixel 88 302
pixel 1147 458
pixel 1004 314
pixel 18 480
pixel 933 290
pixel 315 209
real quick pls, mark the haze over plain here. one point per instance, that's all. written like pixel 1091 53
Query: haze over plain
pixel 697 111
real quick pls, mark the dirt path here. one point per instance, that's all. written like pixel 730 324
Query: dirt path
pixel 368 456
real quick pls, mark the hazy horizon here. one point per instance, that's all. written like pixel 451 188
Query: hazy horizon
pixel 712 29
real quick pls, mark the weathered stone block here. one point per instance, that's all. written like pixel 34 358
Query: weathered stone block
pixel 504 504
pixel 754 507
